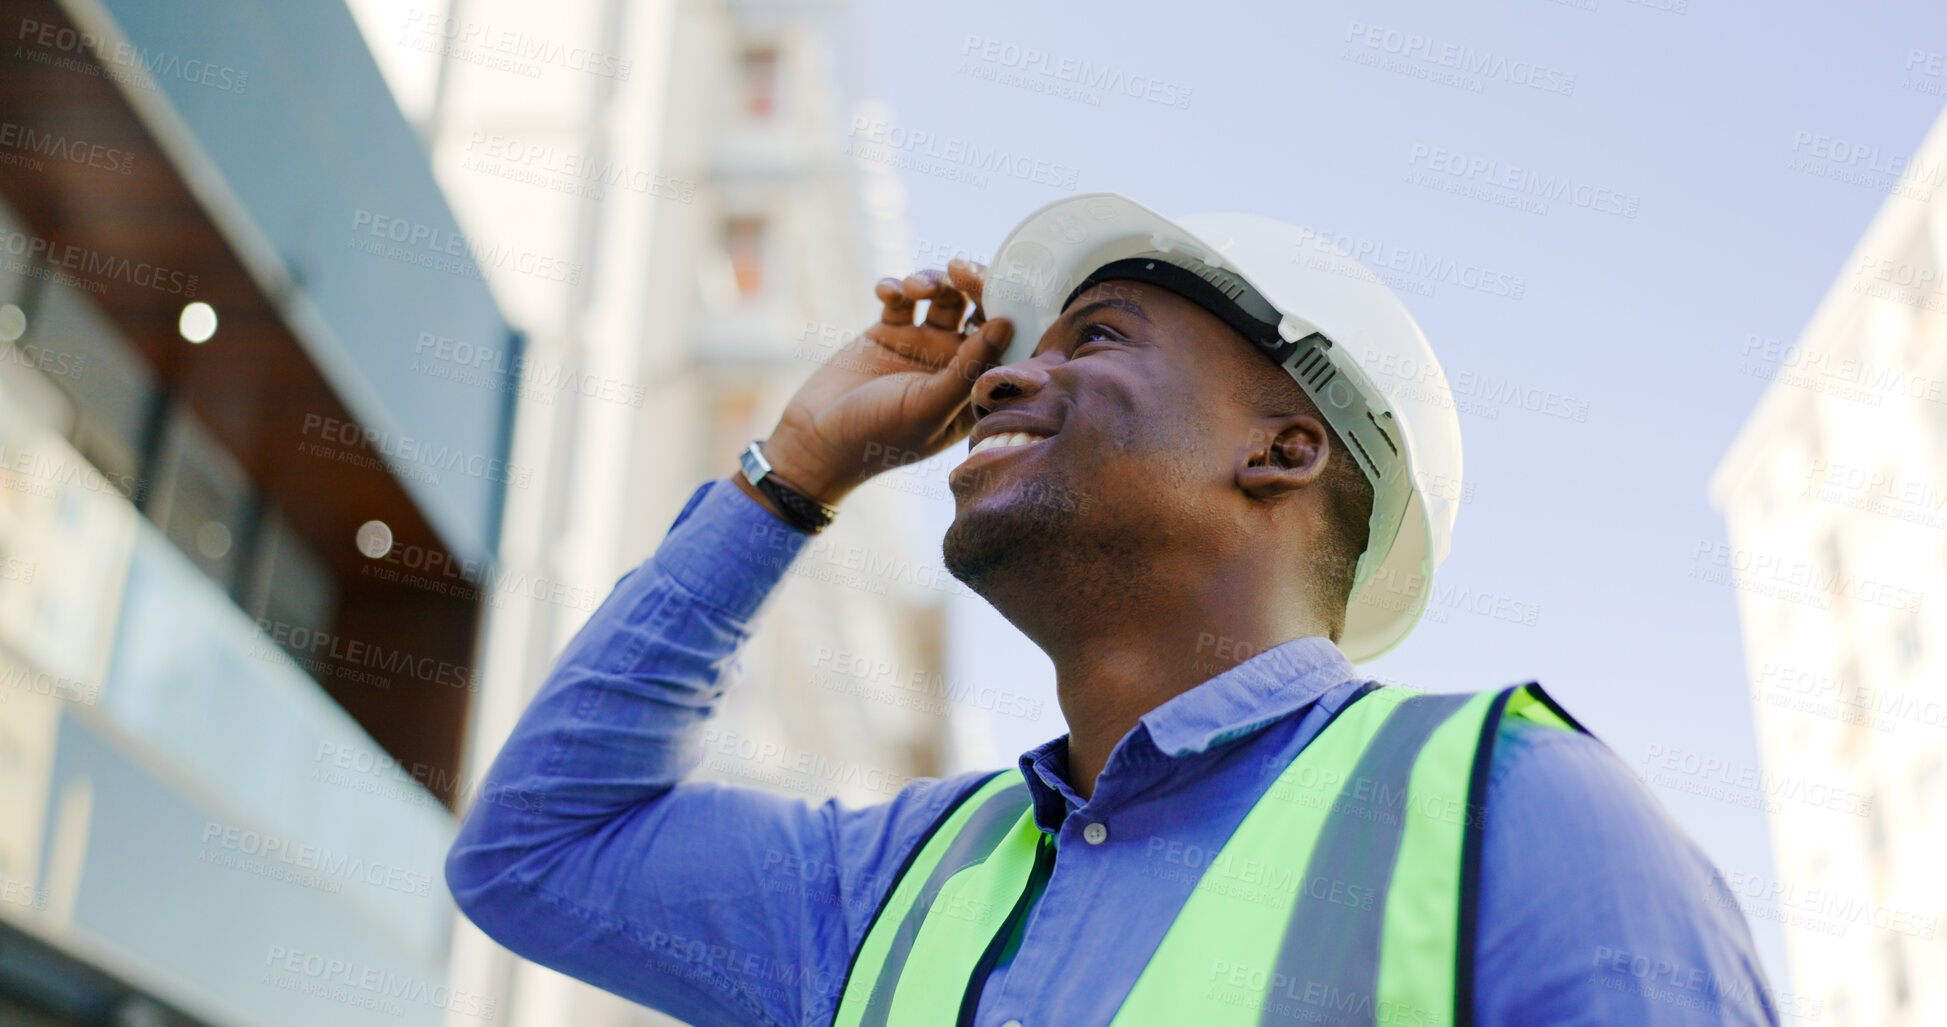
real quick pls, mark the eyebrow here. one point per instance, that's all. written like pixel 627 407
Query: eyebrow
pixel 1116 303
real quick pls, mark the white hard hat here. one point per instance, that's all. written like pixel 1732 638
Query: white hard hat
pixel 1337 329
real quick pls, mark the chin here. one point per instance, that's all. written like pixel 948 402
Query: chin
pixel 1008 525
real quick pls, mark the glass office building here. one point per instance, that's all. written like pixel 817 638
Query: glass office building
pixel 245 544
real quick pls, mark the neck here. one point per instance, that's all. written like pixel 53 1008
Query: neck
pixel 1121 648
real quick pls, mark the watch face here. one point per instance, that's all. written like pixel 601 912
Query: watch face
pixel 753 464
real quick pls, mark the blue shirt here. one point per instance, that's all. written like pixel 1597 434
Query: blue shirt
pixel 587 851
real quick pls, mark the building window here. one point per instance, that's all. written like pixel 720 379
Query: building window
pixel 106 392
pixel 204 502
pixel 744 240
pixel 759 69
pixel 290 592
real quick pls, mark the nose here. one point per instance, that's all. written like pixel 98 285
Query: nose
pixel 1008 381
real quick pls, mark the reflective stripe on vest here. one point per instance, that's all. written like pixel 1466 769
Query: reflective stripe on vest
pixel 1345 896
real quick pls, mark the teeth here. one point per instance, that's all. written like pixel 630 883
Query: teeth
pixel 1005 439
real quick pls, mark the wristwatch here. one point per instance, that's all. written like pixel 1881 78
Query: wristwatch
pixel 801 510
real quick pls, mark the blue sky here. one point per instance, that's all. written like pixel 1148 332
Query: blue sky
pixel 1631 329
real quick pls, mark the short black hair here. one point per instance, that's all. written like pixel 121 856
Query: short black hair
pixel 1269 389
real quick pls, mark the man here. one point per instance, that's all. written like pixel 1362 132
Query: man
pixel 1189 443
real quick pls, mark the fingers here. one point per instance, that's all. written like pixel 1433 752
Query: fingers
pixel 898 309
pixel 967 277
pixel 944 305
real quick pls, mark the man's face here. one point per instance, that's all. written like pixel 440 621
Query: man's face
pixel 1130 388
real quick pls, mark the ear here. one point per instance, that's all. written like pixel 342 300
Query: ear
pixel 1284 454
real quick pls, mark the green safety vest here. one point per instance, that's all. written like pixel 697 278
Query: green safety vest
pixel 1363 917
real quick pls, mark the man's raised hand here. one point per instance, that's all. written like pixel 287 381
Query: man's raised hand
pixel 898 393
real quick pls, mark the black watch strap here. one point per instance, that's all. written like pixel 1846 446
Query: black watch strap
pixel 801 510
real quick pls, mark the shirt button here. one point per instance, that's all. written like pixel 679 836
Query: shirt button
pixel 1096 833
pixel 1012 1023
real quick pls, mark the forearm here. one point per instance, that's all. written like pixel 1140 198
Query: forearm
pixel 715 903
pixel 616 721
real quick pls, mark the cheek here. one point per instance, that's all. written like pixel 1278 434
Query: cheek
pixel 1136 407
pixel 1142 418
pixel 1131 455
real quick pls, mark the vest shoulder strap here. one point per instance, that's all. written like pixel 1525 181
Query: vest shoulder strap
pixel 1348 892
pixel 964 835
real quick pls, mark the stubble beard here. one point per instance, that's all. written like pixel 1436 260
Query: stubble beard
pixel 1014 533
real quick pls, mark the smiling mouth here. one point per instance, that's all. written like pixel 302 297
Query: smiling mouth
pixel 995 444
pixel 1006 440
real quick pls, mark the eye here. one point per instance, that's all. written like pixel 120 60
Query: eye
pixel 1089 333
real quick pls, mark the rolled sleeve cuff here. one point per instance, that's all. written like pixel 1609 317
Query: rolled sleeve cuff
pixel 728 551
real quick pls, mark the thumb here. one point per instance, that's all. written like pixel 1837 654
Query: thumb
pixel 945 391
pixel 979 352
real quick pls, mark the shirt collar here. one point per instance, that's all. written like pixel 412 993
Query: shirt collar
pixel 1264 688
pixel 1272 684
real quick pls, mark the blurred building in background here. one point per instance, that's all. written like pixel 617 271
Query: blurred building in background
pixel 1836 498
pixel 245 543
pixel 689 159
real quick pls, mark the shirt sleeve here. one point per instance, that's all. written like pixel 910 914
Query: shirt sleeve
pixel 1596 907
pixel 586 852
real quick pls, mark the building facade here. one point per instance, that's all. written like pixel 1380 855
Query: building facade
pixel 245 548
pixel 690 158
pixel 1835 494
